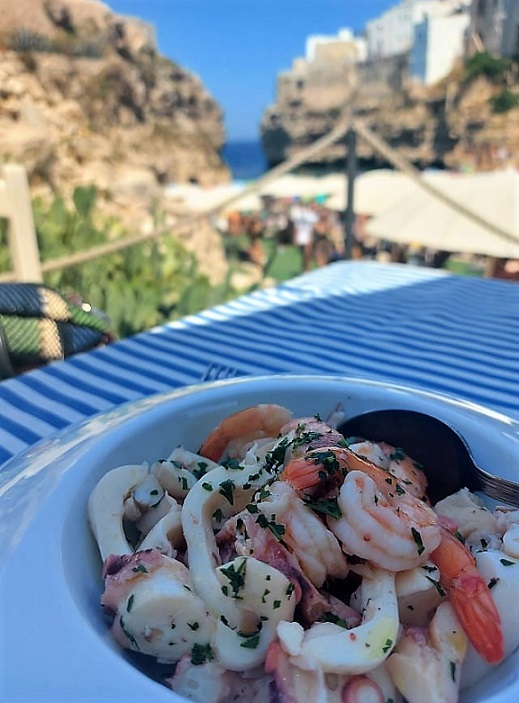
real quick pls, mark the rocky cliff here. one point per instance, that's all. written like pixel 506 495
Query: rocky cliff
pixel 85 98
pixel 454 124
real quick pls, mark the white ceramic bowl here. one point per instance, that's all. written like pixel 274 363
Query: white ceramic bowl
pixel 54 644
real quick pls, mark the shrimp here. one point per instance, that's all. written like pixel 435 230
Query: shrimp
pixel 470 597
pixel 251 539
pixel 314 546
pixel 382 523
pixel 306 433
pixel 407 471
pixel 380 520
pixel 255 422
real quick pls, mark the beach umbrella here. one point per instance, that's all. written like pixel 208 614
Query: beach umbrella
pixel 420 218
pixel 293 186
pixel 374 191
pixel 198 199
pixel 250 202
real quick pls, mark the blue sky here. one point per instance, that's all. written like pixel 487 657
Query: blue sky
pixel 238 46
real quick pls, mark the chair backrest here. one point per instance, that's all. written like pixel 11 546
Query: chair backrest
pixel 15 206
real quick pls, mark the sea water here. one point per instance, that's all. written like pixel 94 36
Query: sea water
pixel 245 159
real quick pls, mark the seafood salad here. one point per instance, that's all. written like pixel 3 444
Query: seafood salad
pixel 280 561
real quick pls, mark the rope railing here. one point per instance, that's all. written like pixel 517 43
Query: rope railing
pixel 403 165
pixel 192 220
pixel 302 156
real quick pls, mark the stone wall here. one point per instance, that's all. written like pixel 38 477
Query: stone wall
pixel 380 79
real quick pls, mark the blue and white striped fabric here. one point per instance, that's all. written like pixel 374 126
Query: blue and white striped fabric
pixel 402 324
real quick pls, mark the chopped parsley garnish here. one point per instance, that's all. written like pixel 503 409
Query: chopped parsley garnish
pixel 437 586
pixel 418 540
pixel 328 461
pixel 251 641
pixel 218 515
pixel 399 490
pixel 335 619
pixel 327 506
pixel 193 626
pixel 277 530
pixel 276 604
pixel 459 536
pixel 201 470
pixel 140 569
pixel 492 583
pixel 275 458
pixel 236 577
pixel 290 589
pixel 398 454
pixel 453 670
pixel 506 562
pixel 200 653
pixel 154 492
pixel 387 646
pixel 129 635
pixel 305 438
pixel 129 604
pixel 207 486
pixel 251 508
pixel 226 490
pixel 233 464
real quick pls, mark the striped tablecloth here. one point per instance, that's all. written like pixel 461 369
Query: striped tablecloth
pixel 403 324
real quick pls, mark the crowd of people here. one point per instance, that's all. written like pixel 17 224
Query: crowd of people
pixel 318 232
pixel 315 230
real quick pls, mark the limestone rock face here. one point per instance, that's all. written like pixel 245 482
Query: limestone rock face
pixel 85 98
pixel 450 124
pixel 85 94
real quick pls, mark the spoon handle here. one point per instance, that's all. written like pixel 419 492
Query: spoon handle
pixel 498 488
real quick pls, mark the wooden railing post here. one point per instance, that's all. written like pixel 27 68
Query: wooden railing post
pixel 15 205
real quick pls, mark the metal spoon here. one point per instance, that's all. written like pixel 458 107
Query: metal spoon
pixel 443 453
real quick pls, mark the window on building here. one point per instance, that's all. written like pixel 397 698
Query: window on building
pixel 300 84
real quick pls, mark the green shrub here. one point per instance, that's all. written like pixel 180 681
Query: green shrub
pixel 504 101
pixel 485 64
pixel 137 287
pixel 26 40
pixel 89 48
pixel 5 256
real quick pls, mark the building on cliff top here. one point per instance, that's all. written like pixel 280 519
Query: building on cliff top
pixel 496 24
pixel 392 33
pixel 438 43
pixel 325 77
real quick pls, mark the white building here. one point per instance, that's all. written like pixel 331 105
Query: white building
pixel 345 38
pixel 437 43
pixel 496 22
pixel 393 32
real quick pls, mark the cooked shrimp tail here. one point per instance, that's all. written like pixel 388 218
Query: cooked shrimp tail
pixel 380 521
pixel 470 596
pixel 256 422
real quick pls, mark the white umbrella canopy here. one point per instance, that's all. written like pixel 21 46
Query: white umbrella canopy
pixel 196 198
pixel 374 191
pixel 420 218
pixel 291 186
